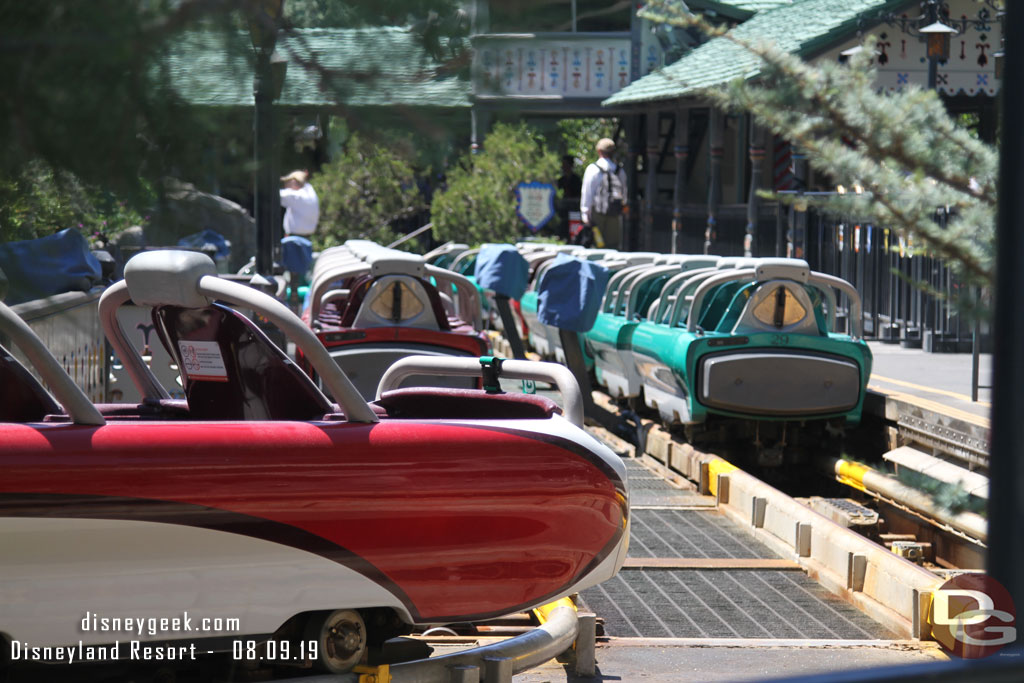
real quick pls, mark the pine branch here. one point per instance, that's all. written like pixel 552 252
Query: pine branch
pixel 903 147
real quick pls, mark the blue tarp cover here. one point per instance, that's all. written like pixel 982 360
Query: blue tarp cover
pixel 50 265
pixel 570 293
pixel 502 269
pixel 199 240
pixel 296 254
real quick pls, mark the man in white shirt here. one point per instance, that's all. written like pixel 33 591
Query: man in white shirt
pixel 604 197
pixel 302 206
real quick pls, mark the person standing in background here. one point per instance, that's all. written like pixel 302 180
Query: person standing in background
pixel 603 198
pixel 571 187
pixel 301 204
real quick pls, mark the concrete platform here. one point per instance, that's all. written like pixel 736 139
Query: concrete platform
pixel 939 378
pixel 672 661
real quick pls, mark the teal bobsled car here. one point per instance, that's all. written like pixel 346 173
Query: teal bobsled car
pixel 756 342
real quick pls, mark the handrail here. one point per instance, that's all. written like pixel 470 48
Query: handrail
pixel 409 236
pixel 560 629
pixel 142 377
pixel 78 406
pixel 558 375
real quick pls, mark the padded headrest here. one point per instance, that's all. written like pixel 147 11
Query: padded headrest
pixel 397 263
pixel 782 268
pixel 168 277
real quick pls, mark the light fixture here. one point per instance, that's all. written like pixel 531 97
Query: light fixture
pixel 937 38
pixel 263 23
pixel 278 70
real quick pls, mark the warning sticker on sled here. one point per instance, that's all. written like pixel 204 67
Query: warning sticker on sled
pixel 201 360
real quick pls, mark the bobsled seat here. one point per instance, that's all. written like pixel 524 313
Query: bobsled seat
pixel 231 371
pixel 22 397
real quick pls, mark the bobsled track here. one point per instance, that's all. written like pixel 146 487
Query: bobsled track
pixel 486 534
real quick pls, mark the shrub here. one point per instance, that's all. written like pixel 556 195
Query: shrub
pixel 365 192
pixel 479 204
pixel 40 201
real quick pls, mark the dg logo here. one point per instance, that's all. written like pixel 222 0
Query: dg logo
pixel 973 616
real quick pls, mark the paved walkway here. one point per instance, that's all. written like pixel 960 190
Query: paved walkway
pixel 943 378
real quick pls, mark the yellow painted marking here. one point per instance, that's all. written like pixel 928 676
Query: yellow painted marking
pixel 544 611
pixel 373 674
pixel 717 467
pixel 851 474
pixel 931 390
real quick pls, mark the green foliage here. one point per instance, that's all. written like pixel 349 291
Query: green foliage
pixel 479 204
pixel 40 201
pixel 580 136
pixel 83 89
pixel 86 87
pixel 365 191
pixel 949 497
pixel 903 148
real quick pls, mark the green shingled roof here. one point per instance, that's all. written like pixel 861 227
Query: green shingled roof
pixel 757 5
pixel 800 26
pixel 355 67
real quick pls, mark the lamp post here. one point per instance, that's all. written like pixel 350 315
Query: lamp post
pixel 267 82
pixel 937 38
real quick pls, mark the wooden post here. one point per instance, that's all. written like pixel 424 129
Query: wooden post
pixel 757 153
pixel 651 170
pixel 682 151
pixel 633 146
pixel 797 237
pixel 717 149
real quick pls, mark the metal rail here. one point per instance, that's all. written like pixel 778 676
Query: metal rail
pixel 494 663
pixel 189 280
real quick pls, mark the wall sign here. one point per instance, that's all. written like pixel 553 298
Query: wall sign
pixel 535 204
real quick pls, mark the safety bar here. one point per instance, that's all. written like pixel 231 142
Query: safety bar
pixel 669 293
pixel 615 283
pixel 745 275
pixel 340 386
pixel 142 377
pixel 633 293
pixel 323 280
pixel 445 249
pixel 559 375
pixel 464 256
pixel 827 283
pixel 68 394
pixel 161 279
pixel 468 294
